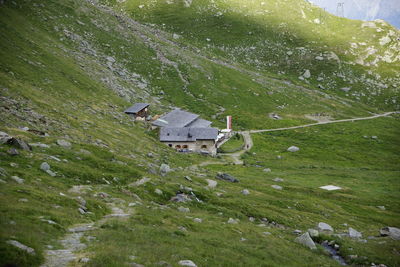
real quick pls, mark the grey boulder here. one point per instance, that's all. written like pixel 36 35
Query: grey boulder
pixel 324 227
pixel 63 143
pixel 226 177
pixel 353 233
pixel 393 232
pixel 306 240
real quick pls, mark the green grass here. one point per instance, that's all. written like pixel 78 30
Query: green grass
pixel 52 82
pixel 234 144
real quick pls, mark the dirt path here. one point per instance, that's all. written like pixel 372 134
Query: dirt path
pixel 248 142
pixel 72 242
pixel 325 122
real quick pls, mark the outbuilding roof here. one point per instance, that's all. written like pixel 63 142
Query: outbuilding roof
pixel 136 108
pixel 200 123
pixel 187 134
pixel 176 118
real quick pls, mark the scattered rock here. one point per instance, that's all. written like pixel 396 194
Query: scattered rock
pixel 324 227
pixel 307 74
pixel 197 220
pixel 381 207
pixel 63 143
pixel 181 197
pixel 278 187
pixel 293 149
pixel 211 183
pixel 21 246
pixel 51 173
pixel 84 260
pixel 187 263
pixel 245 192
pixel 393 232
pixel 306 240
pixel 354 233
pixel 140 182
pixel 13 151
pixel 4 138
pixel 330 187
pixel 277 179
pixel 164 169
pixel 297 232
pixel 39 145
pixel 183 209
pixel 188 178
pixel 226 177
pixel 18 143
pixel 267 170
pixel 17 179
pixel 158 191
pixel 313 232
pixel 44 166
pixel 233 221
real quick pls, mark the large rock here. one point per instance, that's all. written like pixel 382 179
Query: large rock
pixel 164 169
pixel 313 232
pixel 45 166
pixel 306 240
pixel 277 187
pixel 353 233
pixel 21 246
pixel 226 177
pixel 293 149
pixel 393 232
pixel 4 138
pixel 187 263
pixel 63 143
pixel 324 227
pixel 18 143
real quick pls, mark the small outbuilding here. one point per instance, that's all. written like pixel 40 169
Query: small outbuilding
pixel 138 110
pixel 187 139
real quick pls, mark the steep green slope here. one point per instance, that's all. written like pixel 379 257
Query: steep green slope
pixel 350 58
pixel 69 68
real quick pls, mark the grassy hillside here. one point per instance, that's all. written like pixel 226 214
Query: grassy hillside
pixel 69 68
pixel 358 60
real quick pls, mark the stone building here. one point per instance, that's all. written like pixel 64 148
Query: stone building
pixel 188 139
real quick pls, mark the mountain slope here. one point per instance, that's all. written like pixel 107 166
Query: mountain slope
pixel 69 68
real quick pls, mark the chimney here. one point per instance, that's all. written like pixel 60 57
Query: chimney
pixel 229 122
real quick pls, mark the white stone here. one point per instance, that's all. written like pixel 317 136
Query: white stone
pixel 45 166
pixel 277 187
pixel 211 183
pixel 293 149
pixel 233 221
pixel 187 263
pixel 330 187
pixel 245 192
pixel 197 220
pixel 158 191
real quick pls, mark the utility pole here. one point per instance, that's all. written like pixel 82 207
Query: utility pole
pixel 340 9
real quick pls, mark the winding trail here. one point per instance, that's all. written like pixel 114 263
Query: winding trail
pixel 325 122
pixel 248 142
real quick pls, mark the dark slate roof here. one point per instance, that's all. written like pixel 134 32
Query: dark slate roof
pixel 186 134
pixel 176 118
pixel 199 123
pixel 136 108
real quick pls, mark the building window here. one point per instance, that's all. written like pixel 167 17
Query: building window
pixel 170 145
pixel 178 146
pixel 204 146
pixel 185 146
